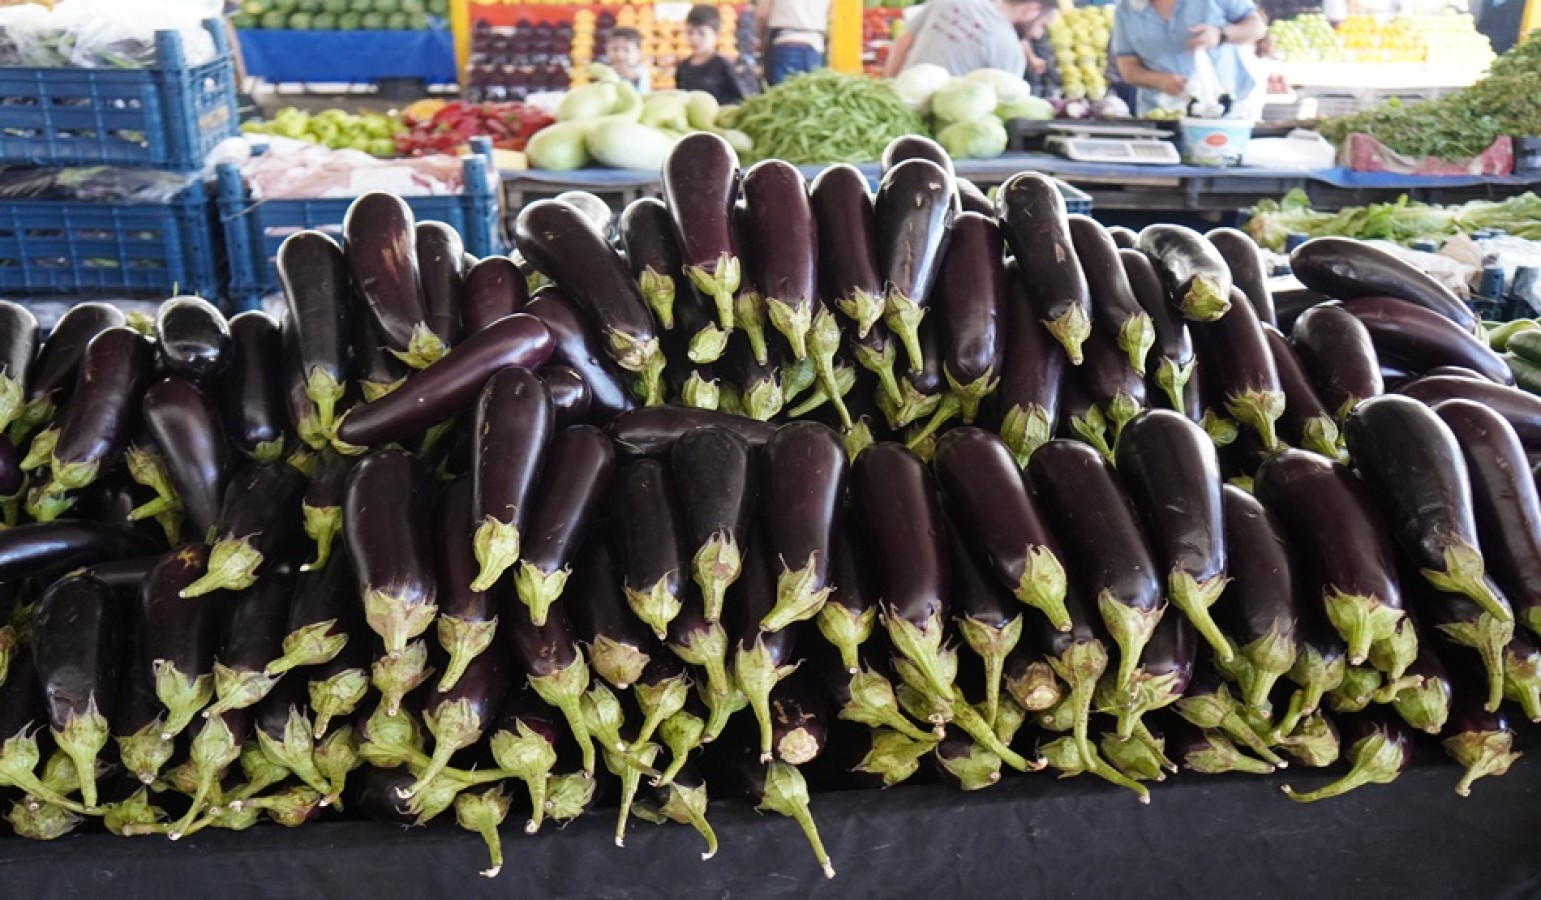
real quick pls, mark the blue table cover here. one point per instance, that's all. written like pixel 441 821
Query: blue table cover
pixel 349 56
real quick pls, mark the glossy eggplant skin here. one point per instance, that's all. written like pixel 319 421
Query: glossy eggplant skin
pixel 494 288
pixel 18 345
pixel 104 406
pixel 576 344
pixel 714 476
pixel 915 146
pixel 842 207
pixel 75 648
pixel 1113 296
pixel 380 245
pixel 570 398
pixel 193 338
pixel 972 303
pixel 385 519
pixel 251 393
pixel 1303 409
pixel 261 503
pixel 620 645
pixel 1171 356
pixel 314 276
pixel 186 427
pixel 1234 351
pixel 512 429
pixel 1520 408
pixel 28 551
pixel 456 565
pixel 580 463
pixel 21 703
pixel 1345 269
pixel 122 574
pixel 1124 238
pixel 1339 355
pixel 450 386
pixel 785 235
pixel 700 185
pixel 1033 219
pixel 182 633
pixel 1505 500
pixel 646 524
pixel 897 499
pixel 647 235
pixel 913 213
pixel 1416 339
pixel 442 280
pixel 52 375
pixel 258 621
pixel 1263 603
pixel 1026 404
pixel 1245 260
pixel 1196 277
pixel 652 431
pixel 804 488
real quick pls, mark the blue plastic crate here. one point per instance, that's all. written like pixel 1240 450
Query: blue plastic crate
pixel 76 246
pixel 166 117
pixel 1076 200
pixel 254 228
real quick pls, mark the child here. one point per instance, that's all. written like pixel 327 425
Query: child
pixel 704 70
pixel 623 52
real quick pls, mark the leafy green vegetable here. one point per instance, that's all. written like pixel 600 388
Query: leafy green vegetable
pixel 1403 221
pixel 981 139
pixel 825 117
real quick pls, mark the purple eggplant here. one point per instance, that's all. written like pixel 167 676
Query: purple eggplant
pixel 620 646
pixel 494 288
pixel 647 236
pixel 972 198
pixel 1245 261
pixel 1345 269
pixel 575 344
pixel 1321 657
pixel 513 427
pixel 317 291
pixel 712 470
pixel 467 618
pixel 102 412
pixel 1027 400
pixel 700 186
pixel 523 743
pixel 842 206
pixel 18 343
pixel 580 463
pixel 1339 355
pixel 554 663
pixel 1422 695
pixel 1032 216
pixel 52 548
pixel 913 214
pixel 460 715
pixel 987 616
pixel 1262 605
pixel 760 658
pixel 1380 746
pixel 380 245
pixel 564 245
pixel 1116 389
pixel 915 146
pixel 1413 465
pixel 186 427
pixel 52 375
pixel 1196 277
pixel 805 468
pixel 1331 518
pixel 1520 408
pixel 321 508
pixel 1118 311
pixel 1166 668
pixel 138 723
pixel 253 640
pixel 180 638
pixel 1172 474
pixel 251 392
pixel 849 614
pixel 1106 546
pixel 286 736
pixel 1172 346
pixel 1305 421
pixel 324 616
pixel 647 533
pixel 1482 742
pixel 1235 351
pixel 653 431
pixel 119 574
pixel 432 397
pixel 986 494
pixel 254 528
pixel 1416 339
pixel 799 720
pixel 75 647
pixel 193 339
pixel 971 299
pixel 1507 507
pixel 440 256
pixel 569 394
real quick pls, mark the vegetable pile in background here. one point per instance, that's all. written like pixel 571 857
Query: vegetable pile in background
pixel 374 133
pixel 825 117
pixel 792 487
pixel 1402 221
pixel 450 127
pixel 968 115
pixel 339 15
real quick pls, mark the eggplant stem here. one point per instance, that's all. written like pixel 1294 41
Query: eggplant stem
pixel 1204 301
pixel 19 757
pixel 1375 760
pixel 707 345
pixel 800 594
pixel 700 393
pixel 233 564
pixel 750 307
pixel 1080 666
pixel 1260 411
pixel 716 566
pixel 903 316
pixel 463 640
pixel 1320 435
pixel 1194 598
pixel 660 701
pixel 564 689
pixel 1136 336
pixel 337 696
pixel 496 545
pixel 1464 574
pixel 921 645
pixel 1025 429
pixel 1269 657
pixel 983 733
pixel 880 362
pixel 1522 684
pixel 658 289
pixel 322 525
pixel 756 675
pixel 618 663
pixel 1222 756
pixel 1360 620
pixel 787 793
pixel 992 645
pixel 846 631
pixel 793 320
pixel 1093 429
pixel 1131 629
pixel 1482 753
pixel 1071 330
pixel 656 605
pixel 863 309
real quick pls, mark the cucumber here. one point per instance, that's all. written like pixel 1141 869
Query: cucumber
pixel 1499 335
pixel 1526 344
pixel 1527 372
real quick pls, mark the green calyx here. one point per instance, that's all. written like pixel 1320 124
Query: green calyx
pixel 1071 329
pixel 233 564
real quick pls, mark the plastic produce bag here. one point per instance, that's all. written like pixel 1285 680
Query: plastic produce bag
pixel 100 34
pixel 102 184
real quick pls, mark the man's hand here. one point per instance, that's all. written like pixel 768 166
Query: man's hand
pixel 1170 83
pixel 1204 37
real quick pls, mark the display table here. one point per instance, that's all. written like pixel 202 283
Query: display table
pixel 1034 836
pixel 326 57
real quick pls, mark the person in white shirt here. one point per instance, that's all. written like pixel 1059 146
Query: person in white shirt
pixel 964 35
pixel 792 36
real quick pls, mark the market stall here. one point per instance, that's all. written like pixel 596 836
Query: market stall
pixel 346 41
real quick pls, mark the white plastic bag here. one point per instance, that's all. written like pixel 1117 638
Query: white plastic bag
pixel 1204 88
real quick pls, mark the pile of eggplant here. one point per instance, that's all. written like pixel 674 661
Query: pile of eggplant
pixel 767 487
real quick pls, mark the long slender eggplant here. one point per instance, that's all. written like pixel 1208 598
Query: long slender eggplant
pixel 374 370
pixel 1413 465
pixel 253 639
pixel 1508 510
pixel 1196 276
pixel 1339 355
pixel 251 391
pixel 620 646
pixel 1520 408
pixel 1173 357
pixel 180 638
pixel 51 548
pixel 1166 668
pixel 1343 538
pixel 804 470
pixel 762 395
pixel 321 508
pixel 580 463
pixel 494 288
pixel 986 615
pixel 440 256
pixel 1305 421
pixel 574 344
pixel 1116 389
pixel 1346 269
pixel 760 658
pixel 913 214
pixel 1459 620
pixel 75 644
pixel 119 574
pixel 185 425
pixel 700 186
pixel 18 343
pixel 512 429
pixel 1480 741
pixel 647 236
pixel 1033 217
pixel 255 527
pixel 1380 746
pixel 1245 260
pixel 915 146
pixel 647 533
pixel 570 398
pixel 317 293
pixel 380 245
pixel 773 787
pixel 102 411
pixel 52 376
pixel 653 431
pixel 1416 339
pixel 138 723
pixel 193 339
pixel 450 388
pixel 324 616
pixel 842 206
pixel 458 716
pixel 1117 310
pixel 1027 407
pixel 564 245
pixel 467 620
pixel 712 470
pixel 1262 603
pixel 1172 473
pixel 1235 351
pixel 989 500
pixel 554 663
pixel 850 612
pixel 1106 545
pixel 971 298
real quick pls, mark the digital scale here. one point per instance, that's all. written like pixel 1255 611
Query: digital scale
pixel 1111 143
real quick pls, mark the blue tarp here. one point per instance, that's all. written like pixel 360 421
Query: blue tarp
pixel 349 56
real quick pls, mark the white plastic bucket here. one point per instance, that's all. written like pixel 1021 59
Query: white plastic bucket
pixel 1215 142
